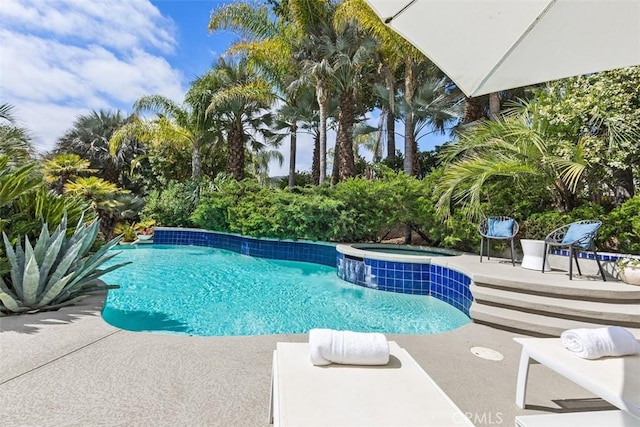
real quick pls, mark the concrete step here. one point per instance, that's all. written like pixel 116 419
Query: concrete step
pixel 588 290
pixel 623 314
pixel 528 323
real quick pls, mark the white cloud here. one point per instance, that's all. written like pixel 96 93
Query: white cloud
pixel 62 58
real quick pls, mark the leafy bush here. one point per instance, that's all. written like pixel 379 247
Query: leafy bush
pixel 174 205
pixel 212 213
pixel 621 229
pixel 26 203
pixel 54 272
pixel 539 225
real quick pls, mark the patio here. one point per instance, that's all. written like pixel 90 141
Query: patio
pixel 70 367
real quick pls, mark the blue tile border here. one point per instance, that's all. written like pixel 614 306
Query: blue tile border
pixel 304 251
pixel 602 256
pixel 446 284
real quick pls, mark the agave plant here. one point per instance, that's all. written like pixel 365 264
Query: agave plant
pixel 57 271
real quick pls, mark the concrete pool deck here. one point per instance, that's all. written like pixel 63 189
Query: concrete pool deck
pixel 71 368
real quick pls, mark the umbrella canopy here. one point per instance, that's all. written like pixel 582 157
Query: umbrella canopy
pixel 486 46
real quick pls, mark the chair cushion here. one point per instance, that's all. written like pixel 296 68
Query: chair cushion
pixel 500 228
pixel 578 231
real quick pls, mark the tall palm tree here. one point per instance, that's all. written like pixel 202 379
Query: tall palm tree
pixel 238 98
pixel 269 50
pixel 349 54
pixel 396 53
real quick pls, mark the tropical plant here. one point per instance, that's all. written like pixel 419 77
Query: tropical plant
pixel 108 201
pixel 15 182
pixel 518 146
pixel 26 202
pixel 173 205
pixel 238 98
pixel 63 167
pixel 267 43
pixel 15 140
pixel 89 138
pixel 56 271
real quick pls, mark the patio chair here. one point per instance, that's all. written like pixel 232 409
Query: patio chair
pixel 578 237
pixel 397 394
pixel 614 379
pixel 498 228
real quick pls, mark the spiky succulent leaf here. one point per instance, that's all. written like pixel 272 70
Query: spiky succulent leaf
pixel 42 243
pixel 52 292
pixel 31 276
pixel 9 299
pixel 63 267
pixel 16 268
pixel 10 303
pixel 49 259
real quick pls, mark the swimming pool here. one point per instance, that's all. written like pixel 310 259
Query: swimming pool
pixel 208 291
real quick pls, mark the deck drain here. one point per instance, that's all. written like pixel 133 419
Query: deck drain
pixel 487 353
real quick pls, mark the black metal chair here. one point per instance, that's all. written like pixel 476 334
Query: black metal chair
pixel 497 228
pixel 578 237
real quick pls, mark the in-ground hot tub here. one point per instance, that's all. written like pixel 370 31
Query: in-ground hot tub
pixel 405 269
pixel 391 252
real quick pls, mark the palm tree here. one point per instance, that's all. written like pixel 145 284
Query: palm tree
pixel 15 141
pixel 238 97
pixel 180 126
pixel 63 167
pixel 270 51
pixel 89 138
pixel 396 53
pixel 517 146
pixel 104 198
pixel 349 54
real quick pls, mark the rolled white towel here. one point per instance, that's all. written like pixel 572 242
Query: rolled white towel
pixel 328 346
pixel 600 342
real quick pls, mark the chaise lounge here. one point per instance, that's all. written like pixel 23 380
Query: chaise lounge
pixel 614 379
pixel 399 393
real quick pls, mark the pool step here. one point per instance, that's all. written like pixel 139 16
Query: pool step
pixel 602 312
pixel 528 323
pixel 543 284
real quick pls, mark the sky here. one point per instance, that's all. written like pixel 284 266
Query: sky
pixel 60 59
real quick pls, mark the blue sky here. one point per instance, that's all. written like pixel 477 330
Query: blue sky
pixel 63 58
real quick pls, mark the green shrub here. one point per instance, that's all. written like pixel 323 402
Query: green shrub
pixel 539 225
pixel 212 212
pixel 173 205
pixel 621 229
pixel 56 271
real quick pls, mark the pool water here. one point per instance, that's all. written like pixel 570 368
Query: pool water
pixel 206 291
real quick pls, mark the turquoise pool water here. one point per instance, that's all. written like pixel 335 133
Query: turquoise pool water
pixel 206 291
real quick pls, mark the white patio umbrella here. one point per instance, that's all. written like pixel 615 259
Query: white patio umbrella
pixel 486 46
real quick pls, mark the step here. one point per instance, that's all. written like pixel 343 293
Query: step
pixel 575 289
pixel 590 311
pixel 528 323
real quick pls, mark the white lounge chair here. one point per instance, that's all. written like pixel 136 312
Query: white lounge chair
pixel 398 394
pixel 614 379
pixel 579 419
